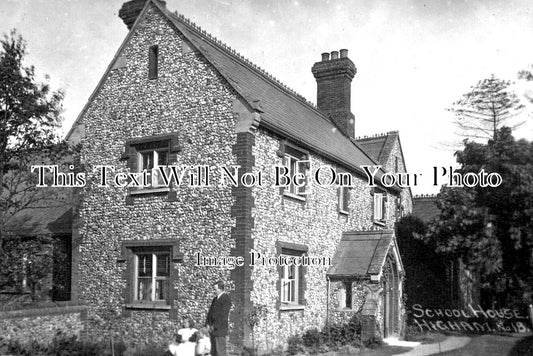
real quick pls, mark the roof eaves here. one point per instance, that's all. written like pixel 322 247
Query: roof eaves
pixel 396 188
pixel 356 169
pixel 403 160
pixel 243 61
pixel 397 254
pixel 378 260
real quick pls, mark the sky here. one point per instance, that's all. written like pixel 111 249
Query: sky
pixel 414 58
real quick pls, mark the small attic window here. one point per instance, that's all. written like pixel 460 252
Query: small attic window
pixel 153 57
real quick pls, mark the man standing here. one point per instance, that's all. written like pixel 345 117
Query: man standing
pixel 217 320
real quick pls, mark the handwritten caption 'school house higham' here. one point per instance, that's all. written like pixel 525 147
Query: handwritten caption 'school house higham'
pixel 474 319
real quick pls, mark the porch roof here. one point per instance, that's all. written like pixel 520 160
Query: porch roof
pixel 53 220
pixel 361 254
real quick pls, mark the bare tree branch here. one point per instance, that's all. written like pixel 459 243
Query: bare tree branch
pixel 489 106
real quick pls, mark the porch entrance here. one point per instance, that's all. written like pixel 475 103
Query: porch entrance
pixel 391 302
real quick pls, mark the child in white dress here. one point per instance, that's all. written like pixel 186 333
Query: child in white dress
pixel 203 344
pixel 184 346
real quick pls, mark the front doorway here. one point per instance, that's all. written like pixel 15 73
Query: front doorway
pixel 390 285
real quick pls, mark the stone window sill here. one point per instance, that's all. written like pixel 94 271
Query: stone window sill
pixel 346 310
pixel 291 307
pixel 380 222
pixel 344 212
pixel 150 191
pixel 295 197
pixel 151 306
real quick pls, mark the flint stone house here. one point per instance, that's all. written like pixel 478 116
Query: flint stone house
pixel 173 95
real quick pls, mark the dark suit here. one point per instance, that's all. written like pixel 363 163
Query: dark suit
pixel 217 320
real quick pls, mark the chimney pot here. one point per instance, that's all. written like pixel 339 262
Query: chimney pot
pixel 131 9
pixel 334 54
pixel 344 53
pixel 325 56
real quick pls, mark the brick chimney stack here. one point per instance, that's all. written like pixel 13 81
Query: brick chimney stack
pixel 131 9
pixel 334 78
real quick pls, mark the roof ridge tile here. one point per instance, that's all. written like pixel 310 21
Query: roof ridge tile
pixel 420 196
pixel 243 59
pixel 376 135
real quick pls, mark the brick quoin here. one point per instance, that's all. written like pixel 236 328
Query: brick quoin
pixel 242 234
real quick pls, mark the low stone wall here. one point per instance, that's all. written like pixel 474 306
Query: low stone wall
pixel 44 321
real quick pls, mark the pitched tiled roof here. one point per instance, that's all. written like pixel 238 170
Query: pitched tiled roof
pixel 378 147
pixel 45 210
pixel 361 253
pixel 282 110
pixel 54 220
pixel 425 207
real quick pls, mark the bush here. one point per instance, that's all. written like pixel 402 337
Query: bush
pixel 312 338
pixel 344 334
pixel 329 339
pixel 150 350
pixel 340 334
pixel 355 323
pixel 295 345
pixel 17 348
pixel 373 342
pixel 60 346
pixel 72 346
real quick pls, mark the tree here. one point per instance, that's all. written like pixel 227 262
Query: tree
pixel 491 228
pixel 487 107
pixel 426 280
pixel 527 75
pixel 29 122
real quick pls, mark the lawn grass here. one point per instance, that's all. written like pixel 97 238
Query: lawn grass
pixel 427 338
pixel 496 345
pixel 385 350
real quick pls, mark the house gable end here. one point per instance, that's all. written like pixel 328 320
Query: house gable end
pixel 120 61
pixel 77 131
pixel 182 115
